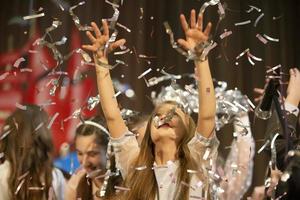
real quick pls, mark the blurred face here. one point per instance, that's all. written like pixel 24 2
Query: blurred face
pixel 174 128
pixel 89 152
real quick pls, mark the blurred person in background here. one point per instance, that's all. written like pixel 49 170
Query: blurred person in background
pixel 26 145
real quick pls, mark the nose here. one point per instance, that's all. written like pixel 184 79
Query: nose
pixel 161 117
pixel 84 160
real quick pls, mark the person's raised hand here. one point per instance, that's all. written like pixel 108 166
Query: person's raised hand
pixel 99 39
pixel 194 33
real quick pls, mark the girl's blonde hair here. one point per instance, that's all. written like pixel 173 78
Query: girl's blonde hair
pixel 142 183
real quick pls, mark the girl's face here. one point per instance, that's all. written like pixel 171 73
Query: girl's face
pixel 168 129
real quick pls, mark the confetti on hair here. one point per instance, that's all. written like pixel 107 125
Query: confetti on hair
pixel 39 126
pixel 36 188
pixel 191 171
pixel 19 186
pixel 121 188
pixel 141 168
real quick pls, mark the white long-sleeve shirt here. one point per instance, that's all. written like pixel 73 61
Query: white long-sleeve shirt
pixel 238 168
pixel 203 150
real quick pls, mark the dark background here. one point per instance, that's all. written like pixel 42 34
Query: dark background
pixel 148 37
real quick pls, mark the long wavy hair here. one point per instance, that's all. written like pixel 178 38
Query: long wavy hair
pixel 28 148
pixel 85 191
pixel 142 183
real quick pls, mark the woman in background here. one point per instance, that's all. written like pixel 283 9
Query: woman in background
pixel 27 171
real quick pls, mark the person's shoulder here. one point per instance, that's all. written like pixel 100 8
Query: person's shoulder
pixel 4 168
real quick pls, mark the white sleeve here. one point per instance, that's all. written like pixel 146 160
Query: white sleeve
pixel 4 173
pixel 58 184
pixel 238 168
pixel 204 150
pixel 126 150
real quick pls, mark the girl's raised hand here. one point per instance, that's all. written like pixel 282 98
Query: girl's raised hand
pixel 194 32
pixel 99 39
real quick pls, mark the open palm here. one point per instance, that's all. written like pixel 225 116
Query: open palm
pixel 193 33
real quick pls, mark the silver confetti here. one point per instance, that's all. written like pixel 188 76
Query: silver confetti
pixel 22 107
pixel 253 8
pixel 93 102
pixel 258 18
pixel 121 188
pixel 141 168
pixel 4 75
pixel 5 134
pixel 242 23
pixel 206 4
pixel 17 63
pixel 261 38
pixel 52 120
pixel 144 73
pixel 76 19
pixel 34 16
pixel 225 34
pixel 271 38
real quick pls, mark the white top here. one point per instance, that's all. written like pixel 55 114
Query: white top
pixel 238 170
pixel 203 150
pixel 58 182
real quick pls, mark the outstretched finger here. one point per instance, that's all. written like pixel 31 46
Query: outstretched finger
pixel 184 24
pixel 200 22
pixel 96 29
pixel 105 27
pixel 193 19
pixel 183 43
pixel 207 29
pixel 91 37
pixel 117 44
pixel 89 48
